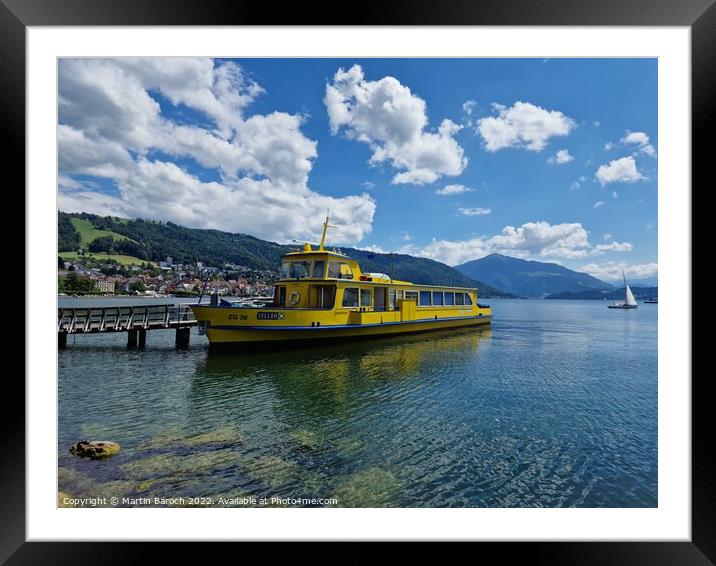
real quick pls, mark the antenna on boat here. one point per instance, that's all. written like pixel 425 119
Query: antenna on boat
pixel 325 227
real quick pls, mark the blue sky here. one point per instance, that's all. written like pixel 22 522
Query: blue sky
pixel 553 160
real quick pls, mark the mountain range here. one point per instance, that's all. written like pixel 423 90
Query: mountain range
pixel 527 278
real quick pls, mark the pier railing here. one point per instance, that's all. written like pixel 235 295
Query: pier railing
pixel 121 319
pixel 135 320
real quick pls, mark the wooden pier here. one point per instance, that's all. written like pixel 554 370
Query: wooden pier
pixel 134 320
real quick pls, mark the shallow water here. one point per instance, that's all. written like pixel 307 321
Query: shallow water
pixel 555 405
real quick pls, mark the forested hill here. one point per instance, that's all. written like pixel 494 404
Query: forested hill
pixel 154 241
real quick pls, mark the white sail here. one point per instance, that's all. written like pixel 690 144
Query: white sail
pixel 630 300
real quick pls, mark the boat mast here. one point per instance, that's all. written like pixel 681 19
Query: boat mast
pixel 626 297
pixel 325 227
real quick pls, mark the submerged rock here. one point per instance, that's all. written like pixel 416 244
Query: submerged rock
pixel 64 499
pixel 170 466
pixel 95 449
pixel 222 436
pixel 307 439
pixel 373 487
pixel 174 438
pixel 272 471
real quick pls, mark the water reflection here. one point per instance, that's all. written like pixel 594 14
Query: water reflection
pixel 320 382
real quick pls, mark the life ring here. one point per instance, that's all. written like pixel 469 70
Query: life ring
pixel 294 297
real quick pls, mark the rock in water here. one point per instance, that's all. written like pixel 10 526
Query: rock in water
pixel 94 449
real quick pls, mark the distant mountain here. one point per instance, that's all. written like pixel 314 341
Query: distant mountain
pixel 529 278
pixel 154 241
pixel 644 282
pixel 641 294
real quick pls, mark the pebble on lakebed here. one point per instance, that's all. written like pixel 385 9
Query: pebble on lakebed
pixel 94 449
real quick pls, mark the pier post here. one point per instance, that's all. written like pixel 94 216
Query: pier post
pixel 62 340
pixel 132 336
pixel 142 338
pixel 182 338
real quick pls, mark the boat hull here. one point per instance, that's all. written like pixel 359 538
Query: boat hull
pixel 625 307
pixel 222 331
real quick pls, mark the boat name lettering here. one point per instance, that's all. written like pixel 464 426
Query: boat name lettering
pixel 270 315
pixel 238 317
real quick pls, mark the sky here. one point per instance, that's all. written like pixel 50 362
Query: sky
pixel 552 160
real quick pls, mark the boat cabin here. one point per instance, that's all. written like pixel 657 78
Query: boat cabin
pixel 330 280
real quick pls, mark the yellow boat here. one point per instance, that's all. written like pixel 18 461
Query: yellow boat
pixel 323 295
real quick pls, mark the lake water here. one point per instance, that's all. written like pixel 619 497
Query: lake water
pixel 555 405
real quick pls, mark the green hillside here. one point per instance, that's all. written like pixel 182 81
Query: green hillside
pixel 88 233
pixel 119 258
pixel 153 241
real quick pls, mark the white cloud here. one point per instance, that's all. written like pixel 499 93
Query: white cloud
pixel 599 249
pixel 612 271
pixel 599 204
pixel 523 125
pixel 80 155
pixel 560 158
pixel 474 211
pixel 469 106
pixel 575 186
pixel 607 237
pixel 450 190
pixel 111 121
pixel 161 190
pixel 388 117
pixel 93 202
pixel 531 240
pixel 615 194
pixel 373 248
pixel 619 171
pixel 608 146
pixel 641 140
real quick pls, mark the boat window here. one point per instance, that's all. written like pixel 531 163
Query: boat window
pixel 365 297
pixel 339 270
pixel 411 295
pixel 391 295
pixel 350 297
pixel 424 298
pixel 468 299
pixel 459 298
pixel 285 269
pixel 437 298
pixel 318 268
pixel 281 296
pixel 449 298
pixel 321 296
pixel 299 269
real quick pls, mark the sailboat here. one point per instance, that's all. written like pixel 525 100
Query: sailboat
pixel 652 300
pixel 629 300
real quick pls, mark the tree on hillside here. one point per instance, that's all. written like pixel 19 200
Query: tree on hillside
pixel 68 239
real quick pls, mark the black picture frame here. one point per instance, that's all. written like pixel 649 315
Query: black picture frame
pixel 699 15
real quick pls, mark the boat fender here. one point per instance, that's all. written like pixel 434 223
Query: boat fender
pixel 294 297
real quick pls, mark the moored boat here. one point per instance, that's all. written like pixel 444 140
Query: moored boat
pixel 323 295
